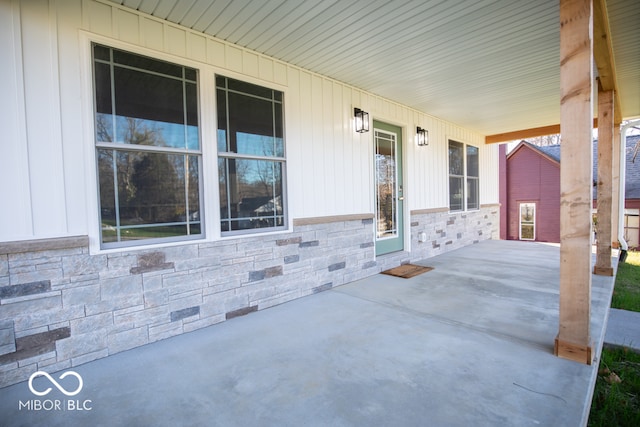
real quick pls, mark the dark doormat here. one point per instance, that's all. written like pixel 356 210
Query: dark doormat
pixel 407 271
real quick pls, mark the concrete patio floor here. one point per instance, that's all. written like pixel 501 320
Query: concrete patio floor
pixel 469 343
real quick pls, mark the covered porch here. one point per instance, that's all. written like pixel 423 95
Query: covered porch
pixel 468 343
pixel 508 70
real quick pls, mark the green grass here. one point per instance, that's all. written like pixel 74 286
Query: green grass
pixel 618 403
pixel 626 293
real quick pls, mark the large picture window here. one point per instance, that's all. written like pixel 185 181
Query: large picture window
pixel 251 158
pixel 464 177
pixel 148 148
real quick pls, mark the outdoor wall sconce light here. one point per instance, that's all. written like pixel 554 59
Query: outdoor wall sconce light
pixel 361 120
pixel 422 136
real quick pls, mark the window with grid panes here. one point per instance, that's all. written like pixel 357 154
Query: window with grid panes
pixel 147 148
pixel 251 156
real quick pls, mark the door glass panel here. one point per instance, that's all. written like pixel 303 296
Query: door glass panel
pixel 386 185
pixel 527 221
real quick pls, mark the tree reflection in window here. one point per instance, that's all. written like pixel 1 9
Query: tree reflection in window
pixel 386 183
pixel 148 148
pixel 251 161
pixel 464 180
pixel 456 176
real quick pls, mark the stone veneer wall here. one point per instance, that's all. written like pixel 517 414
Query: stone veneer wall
pixel 61 307
pixel 448 231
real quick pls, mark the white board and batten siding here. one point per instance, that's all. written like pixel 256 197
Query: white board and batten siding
pixel 47 169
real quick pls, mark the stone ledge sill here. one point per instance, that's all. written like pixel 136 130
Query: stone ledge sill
pixel 17 247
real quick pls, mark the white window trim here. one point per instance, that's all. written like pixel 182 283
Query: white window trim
pixel 208 139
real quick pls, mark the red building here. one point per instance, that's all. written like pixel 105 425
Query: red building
pixel 531 181
pixel 530 193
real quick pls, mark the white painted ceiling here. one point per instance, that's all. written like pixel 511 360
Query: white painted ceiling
pixel 488 65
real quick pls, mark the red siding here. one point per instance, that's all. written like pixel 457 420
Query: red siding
pixel 632 204
pixel 531 177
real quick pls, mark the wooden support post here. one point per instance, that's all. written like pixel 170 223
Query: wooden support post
pixel 605 182
pixel 576 110
pixel 615 199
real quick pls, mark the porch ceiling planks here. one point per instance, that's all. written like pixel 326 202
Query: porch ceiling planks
pixel 624 20
pixel 490 66
pixel 607 77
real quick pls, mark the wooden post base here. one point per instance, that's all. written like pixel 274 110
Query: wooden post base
pixel 603 271
pixel 575 352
